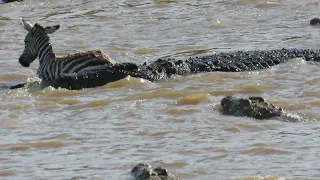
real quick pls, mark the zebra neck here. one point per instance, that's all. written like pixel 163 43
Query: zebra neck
pixel 45 51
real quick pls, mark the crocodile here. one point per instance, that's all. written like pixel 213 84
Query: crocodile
pixel 165 68
pixel 254 107
pixel 86 75
pixel 145 172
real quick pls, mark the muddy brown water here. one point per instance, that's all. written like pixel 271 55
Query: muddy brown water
pixel 102 133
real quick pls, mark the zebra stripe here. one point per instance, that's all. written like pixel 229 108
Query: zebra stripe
pixel 37 44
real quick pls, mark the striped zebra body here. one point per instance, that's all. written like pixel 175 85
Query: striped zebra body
pixel 53 67
pixel 37 44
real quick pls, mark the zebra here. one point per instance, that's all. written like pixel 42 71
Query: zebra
pixel 51 67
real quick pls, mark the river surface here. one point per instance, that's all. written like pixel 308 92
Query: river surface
pixel 102 133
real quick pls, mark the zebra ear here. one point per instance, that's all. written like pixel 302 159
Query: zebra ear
pixel 52 29
pixel 27 25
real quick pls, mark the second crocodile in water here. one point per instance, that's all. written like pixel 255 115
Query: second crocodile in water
pixel 254 107
pixel 145 172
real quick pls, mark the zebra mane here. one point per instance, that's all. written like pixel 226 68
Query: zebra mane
pixel 38 26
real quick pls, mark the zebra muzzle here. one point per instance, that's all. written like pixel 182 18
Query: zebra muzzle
pixel 23 62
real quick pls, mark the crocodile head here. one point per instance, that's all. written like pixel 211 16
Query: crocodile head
pixel 145 172
pixel 253 106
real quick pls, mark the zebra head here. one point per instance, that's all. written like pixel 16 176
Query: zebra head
pixel 36 39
